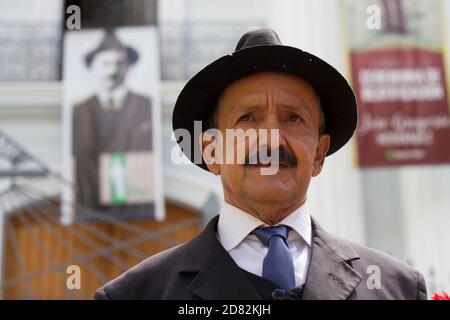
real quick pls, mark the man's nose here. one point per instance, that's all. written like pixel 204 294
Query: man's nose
pixel 111 69
pixel 273 131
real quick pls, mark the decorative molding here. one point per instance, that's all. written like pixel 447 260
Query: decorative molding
pixel 15 95
pixel 37 95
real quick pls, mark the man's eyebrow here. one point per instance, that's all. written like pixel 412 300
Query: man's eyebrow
pixel 296 107
pixel 246 107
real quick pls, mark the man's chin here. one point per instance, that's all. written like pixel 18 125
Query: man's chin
pixel 110 86
pixel 270 189
pixel 269 170
pixel 273 195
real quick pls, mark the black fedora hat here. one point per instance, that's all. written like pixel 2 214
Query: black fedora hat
pixel 110 42
pixel 259 51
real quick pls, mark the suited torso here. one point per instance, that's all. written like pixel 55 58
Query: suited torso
pixel 97 131
pixel 202 269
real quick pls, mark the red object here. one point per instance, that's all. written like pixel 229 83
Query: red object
pixel 442 296
pixel 403 103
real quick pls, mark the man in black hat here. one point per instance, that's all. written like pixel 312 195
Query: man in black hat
pixel 264 244
pixel 113 120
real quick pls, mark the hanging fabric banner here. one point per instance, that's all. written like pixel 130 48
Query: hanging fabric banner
pixel 112 124
pixel 398 73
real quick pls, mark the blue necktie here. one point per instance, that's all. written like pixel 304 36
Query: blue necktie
pixel 278 266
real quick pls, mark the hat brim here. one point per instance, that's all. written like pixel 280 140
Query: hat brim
pixel 132 55
pixel 199 96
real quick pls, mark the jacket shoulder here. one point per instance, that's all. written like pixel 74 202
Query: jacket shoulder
pixel 81 105
pixel 398 280
pixel 146 280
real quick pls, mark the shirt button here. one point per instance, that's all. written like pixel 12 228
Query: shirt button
pixel 279 294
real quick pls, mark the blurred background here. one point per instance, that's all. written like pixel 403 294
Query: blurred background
pixel 401 208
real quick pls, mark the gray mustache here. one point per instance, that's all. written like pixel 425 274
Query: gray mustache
pixel 285 157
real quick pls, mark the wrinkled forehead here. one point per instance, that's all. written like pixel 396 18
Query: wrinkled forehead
pixel 256 90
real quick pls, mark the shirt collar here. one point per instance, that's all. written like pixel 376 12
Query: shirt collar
pixel 235 224
pixel 117 95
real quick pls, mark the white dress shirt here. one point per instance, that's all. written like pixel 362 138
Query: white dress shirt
pixel 112 100
pixel 234 233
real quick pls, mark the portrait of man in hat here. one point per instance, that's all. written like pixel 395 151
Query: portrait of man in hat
pixel 112 123
pixel 265 243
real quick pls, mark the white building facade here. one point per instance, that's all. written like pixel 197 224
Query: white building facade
pixel 403 211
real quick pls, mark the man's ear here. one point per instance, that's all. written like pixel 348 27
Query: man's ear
pixel 321 151
pixel 208 145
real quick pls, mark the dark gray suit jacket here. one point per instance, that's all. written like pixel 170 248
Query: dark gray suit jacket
pixel 202 269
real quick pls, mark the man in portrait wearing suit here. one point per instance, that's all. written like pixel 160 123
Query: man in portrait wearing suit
pixel 113 120
pixel 264 244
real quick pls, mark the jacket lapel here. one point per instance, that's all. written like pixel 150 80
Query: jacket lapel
pixel 216 275
pixel 330 276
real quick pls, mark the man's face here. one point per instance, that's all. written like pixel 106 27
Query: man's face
pixel 272 101
pixel 110 68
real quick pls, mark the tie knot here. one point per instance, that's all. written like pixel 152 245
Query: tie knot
pixel 267 233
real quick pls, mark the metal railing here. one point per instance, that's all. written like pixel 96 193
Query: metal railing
pixel 30 52
pixel 189 46
pixel 33 51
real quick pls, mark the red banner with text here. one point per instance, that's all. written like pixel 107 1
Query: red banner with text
pixel 398 74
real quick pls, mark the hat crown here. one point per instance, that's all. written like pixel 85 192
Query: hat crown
pixel 110 41
pixel 259 37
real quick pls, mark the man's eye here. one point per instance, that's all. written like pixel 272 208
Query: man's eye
pixel 246 117
pixel 294 118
